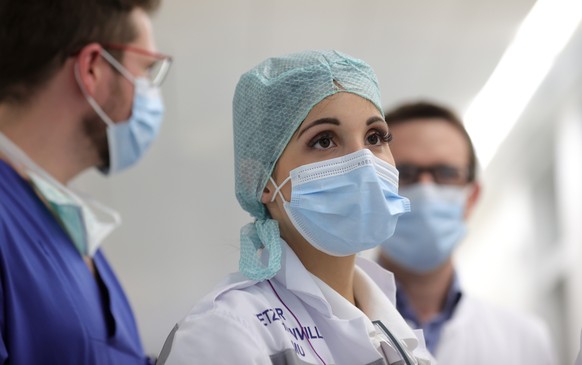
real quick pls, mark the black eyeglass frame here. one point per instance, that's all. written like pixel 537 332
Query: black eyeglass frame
pixel 442 174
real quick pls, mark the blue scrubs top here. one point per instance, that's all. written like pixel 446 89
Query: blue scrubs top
pixel 53 310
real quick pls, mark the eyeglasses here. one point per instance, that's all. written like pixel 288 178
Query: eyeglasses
pixel 157 71
pixel 441 174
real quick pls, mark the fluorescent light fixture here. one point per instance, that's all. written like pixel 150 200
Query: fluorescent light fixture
pixel 541 37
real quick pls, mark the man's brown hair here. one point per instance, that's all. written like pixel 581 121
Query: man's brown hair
pixel 37 36
pixel 429 110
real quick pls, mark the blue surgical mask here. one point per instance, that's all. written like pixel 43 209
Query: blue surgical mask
pixel 344 205
pixel 77 215
pixel 426 237
pixel 128 140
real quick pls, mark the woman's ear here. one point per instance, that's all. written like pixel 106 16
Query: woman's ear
pixel 88 68
pixel 267 194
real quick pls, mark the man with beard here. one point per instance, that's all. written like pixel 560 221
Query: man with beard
pixel 79 88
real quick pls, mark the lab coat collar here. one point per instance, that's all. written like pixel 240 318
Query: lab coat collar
pixel 295 277
pixel 375 291
pixel 383 278
pixel 374 287
pixel 378 304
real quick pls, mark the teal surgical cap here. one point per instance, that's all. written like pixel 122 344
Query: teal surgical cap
pixel 270 103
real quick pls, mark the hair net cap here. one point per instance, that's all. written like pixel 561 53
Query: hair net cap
pixel 270 102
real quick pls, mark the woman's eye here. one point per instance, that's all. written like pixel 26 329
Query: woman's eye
pixel 322 142
pixel 379 137
pixel 373 138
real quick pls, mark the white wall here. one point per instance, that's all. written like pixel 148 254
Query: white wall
pixel 569 203
pixel 525 246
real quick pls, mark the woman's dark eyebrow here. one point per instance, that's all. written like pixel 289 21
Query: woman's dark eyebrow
pixel 375 119
pixel 333 121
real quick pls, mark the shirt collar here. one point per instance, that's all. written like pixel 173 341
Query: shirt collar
pixel 295 277
pixel 369 281
pixel 452 298
pixel 374 289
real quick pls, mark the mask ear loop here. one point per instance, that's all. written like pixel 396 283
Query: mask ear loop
pixel 278 188
pixel 96 107
pixel 104 117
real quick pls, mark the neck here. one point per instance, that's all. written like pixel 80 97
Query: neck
pixel 426 292
pixel 48 129
pixel 337 272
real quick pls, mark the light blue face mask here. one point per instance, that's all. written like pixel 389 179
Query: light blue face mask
pixel 426 237
pixel 128 140
pixel 77 215
pixel 86 221
pixel 345 205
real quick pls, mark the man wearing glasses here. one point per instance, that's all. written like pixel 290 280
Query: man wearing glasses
pixel 437 165
pixel 79 88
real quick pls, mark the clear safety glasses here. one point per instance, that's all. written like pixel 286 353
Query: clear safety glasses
pixel 157 70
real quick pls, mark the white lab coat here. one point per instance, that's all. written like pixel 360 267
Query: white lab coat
pixel 245 322
pixel 480 333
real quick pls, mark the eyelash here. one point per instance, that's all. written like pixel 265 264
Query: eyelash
pixel 319 137
pixel 385 137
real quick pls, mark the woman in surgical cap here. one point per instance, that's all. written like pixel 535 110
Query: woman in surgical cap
pixel 313 167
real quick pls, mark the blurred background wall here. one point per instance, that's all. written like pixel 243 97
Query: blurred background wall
pixel 181 219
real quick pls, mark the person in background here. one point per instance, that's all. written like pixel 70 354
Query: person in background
pixel 313 167
pixel 437 165
pixel 79 88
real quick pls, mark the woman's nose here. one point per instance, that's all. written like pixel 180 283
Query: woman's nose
pixel 354 146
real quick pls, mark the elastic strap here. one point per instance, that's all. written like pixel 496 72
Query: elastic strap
pixel 278 188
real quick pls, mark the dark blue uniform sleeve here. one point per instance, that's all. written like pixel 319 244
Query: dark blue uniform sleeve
pixel 3 350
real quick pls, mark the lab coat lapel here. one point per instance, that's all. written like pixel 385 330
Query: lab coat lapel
pixel 352 341
pixel 379 301
pixel 295 277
